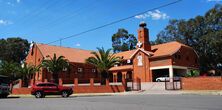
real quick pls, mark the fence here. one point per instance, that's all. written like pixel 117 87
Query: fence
pixel 133 85
pixel 202 83
pixel 81 88
pixel 173 84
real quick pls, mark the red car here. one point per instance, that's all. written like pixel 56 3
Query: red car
pixel 40 90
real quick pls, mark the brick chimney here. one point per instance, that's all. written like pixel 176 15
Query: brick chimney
pixel 143 37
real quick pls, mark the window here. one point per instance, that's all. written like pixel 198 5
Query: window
pixel 179 56
pixel 93 70
pixel 80 70
pixel 41 85
pixel 176 56
pixel 51 85
pixel 64 69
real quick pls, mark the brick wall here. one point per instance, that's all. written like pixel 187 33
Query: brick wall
pixel 91 88
pixel 202 83
pixel 188 57
pixel 99 89
pixel 21 91
pixel 160 61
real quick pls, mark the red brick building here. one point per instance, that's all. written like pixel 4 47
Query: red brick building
pixel 146 62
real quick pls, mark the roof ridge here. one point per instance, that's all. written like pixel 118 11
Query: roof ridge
pixel 63 47
pixel 125 51
pixel 168 43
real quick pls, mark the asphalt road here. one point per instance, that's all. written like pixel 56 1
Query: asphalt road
pixel 127 102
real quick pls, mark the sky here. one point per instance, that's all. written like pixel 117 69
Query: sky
pixel 44 21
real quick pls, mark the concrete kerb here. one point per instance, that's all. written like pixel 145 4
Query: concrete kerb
pixel 202 92
pixel 73 95
pixel 187 92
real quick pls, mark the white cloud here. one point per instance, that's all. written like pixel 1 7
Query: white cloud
pixel 155 15
pixel 78 44
pixel 9 3
pixel 5 22
pixel 18 1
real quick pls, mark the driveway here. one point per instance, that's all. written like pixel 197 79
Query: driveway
pixel 127 102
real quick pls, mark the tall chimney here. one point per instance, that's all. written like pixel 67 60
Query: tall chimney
pixel 143 37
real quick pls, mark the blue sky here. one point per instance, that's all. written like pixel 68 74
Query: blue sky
pixel 44 21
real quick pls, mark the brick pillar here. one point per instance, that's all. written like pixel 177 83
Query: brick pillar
pixel 31 82
pixel 91 82
pixel 60 81
pixel 124 79
pixel 115 77
pixel 107 82
pixel 11 86
pixel 20 83
pixel 45 80
pixel 76 82
pixel 171 73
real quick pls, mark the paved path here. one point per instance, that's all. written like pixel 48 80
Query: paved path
pixel 127 102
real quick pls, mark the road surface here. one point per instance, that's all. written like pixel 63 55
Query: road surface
pixel 123 102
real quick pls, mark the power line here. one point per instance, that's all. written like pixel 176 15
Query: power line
pixel 117 21
pixel 36 11
pixel 66 17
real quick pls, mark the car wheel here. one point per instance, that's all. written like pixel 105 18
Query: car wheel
pixel 65 94
pixel 5 96
pixel 158 80
pixel 39 94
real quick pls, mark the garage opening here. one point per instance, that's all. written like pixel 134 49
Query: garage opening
pixel 179 72
pixel 159 73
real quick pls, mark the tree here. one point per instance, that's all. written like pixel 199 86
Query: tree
pixel 103 60
pixel 203 33
pixel 13 49
pixel 9 69
pixel 26 71
pixel 55 65
pixel 123 41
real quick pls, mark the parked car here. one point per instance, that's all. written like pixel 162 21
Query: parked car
pixel 166 78
pixel 40 90
pixel 4 86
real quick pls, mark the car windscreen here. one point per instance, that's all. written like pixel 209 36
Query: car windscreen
pixel 41 85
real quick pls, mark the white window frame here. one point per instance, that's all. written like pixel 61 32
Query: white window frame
pixel 80 70
pixel 93 70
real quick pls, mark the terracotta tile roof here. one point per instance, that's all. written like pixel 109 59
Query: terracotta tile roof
pixel 125 67
pixel 126 55
pixel 166 48
pixel 157 50
pixel 72 54
pixel 79 55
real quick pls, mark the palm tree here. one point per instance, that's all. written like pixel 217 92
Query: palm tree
pixel 103 60
pixel 55 65
pixel 26 71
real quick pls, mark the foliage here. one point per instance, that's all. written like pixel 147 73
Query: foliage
pixel 13 49
pixel 103 60
pixel 192 73
pixel 55 65
pixel 123 41
pixel 203 33
pixel 9 69
pixel 26 72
